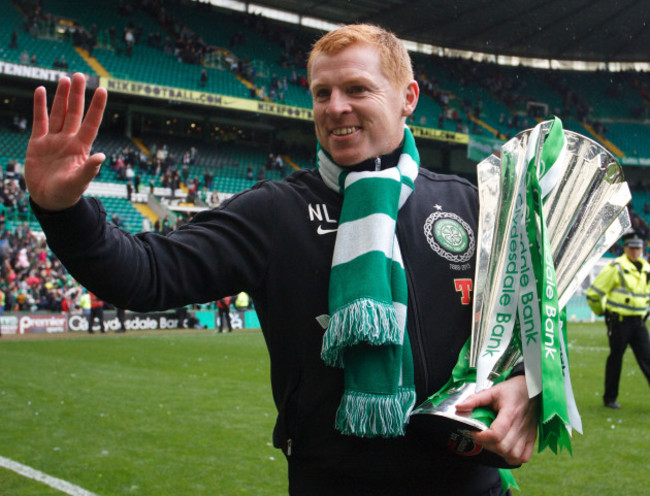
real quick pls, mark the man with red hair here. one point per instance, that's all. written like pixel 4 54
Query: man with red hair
pixel 366 322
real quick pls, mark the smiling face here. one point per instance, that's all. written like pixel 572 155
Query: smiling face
pixel 359 113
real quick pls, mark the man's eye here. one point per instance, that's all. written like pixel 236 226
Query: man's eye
pixel 322 94
pixel 356 89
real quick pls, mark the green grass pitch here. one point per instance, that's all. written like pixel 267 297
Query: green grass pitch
pixel 168 414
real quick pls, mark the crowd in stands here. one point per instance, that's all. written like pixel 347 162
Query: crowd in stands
pixel 161 166
pixel 130 163
pixel 511 88
pixel 13 194
pixel 31 278
pixel 179 39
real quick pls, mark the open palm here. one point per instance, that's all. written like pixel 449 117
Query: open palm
pixel 58 164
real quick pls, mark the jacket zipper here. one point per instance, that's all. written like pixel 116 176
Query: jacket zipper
pixel 417 334
pixel 289 446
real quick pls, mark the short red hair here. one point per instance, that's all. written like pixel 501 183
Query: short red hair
pixel 395 59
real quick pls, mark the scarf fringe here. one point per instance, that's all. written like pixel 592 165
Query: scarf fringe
pixel 361 321
pixel 374 415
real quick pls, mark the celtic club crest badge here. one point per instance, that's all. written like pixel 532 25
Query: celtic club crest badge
pixel 450 236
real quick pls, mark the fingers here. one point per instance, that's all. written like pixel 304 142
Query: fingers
pixel 93 119
pixel 76 103
pixel 59 105
pixel 40 123
pixel 517 449
pixel 514 430
pixel 482 398
pixel 67 110
pixel 512 440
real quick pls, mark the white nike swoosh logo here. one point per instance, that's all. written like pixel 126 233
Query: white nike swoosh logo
pixel 320 230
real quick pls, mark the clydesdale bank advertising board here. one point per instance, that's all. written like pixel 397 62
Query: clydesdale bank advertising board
pixel 59 323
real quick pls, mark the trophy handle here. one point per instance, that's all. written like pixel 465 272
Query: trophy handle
pixel 447 408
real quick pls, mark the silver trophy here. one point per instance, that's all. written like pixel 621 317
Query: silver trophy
pixel 585 214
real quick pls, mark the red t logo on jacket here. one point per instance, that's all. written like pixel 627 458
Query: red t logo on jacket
pixel 464 286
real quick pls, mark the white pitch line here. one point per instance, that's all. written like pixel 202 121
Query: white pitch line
pixel 588 348
pixel 53 482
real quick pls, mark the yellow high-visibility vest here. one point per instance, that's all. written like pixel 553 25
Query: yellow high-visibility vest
pixel 242 300
pixel 84 301
pixel 621 288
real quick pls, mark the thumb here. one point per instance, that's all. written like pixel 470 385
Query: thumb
pixel 92 166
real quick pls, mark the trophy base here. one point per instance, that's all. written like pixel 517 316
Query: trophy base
pixel 447 408
pixel 443 424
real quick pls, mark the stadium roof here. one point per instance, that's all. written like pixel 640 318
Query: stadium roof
pixel 588 30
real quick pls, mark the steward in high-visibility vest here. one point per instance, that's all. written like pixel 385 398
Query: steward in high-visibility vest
pixel 622 288
pixel 622 293
pixel 242 301
pixel 84 303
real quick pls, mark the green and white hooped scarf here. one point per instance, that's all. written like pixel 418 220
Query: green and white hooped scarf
pixel 366 334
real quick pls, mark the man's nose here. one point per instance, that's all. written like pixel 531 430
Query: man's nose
pixel 338 102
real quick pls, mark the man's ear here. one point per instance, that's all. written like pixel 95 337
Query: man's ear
pixel 412 94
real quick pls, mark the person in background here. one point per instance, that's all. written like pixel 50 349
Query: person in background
pixel 223 304
pixel 181 316
pixel 621 292
pixel 85 305
pixel 242 301
pixel 96 312
pixel 121 317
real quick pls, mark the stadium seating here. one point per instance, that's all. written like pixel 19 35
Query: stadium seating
pixel 47 45
pixel 639 200
pixel 486 98
pixel 103 14
pixel 264 44
pixel 630 137
pixel 609 96
pixel 130 217
pixel 12 144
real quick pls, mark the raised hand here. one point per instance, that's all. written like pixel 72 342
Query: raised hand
pixel 58 164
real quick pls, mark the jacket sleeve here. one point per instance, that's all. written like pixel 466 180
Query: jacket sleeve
pixel 597 292
pixel 222 251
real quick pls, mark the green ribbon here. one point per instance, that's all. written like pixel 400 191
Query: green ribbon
pixel 554 417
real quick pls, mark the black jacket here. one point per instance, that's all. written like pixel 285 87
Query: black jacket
pixel 275 242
